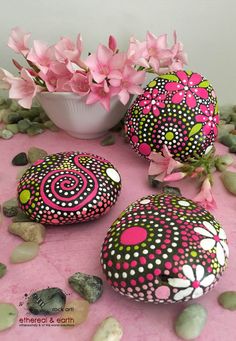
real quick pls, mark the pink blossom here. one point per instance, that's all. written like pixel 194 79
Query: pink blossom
pixel 152 102
pixel 175 176
pixel 187 88
pixel 112 43
pixel 66 50
pixel 158 50
pixel 130 83
pixel 100 93
pixel 205 196
pixel 23 89
pixel 179 58
pixel 41 55
pixel 209 118
pixel 57 77
pixel 5 79
pixel 80 83
pixel 18 41
pixel 105 65
pixel 137 53
pixel 162 165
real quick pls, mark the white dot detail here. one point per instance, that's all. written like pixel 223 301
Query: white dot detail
pixel 145 201
pixel 113 174
pixel 183 203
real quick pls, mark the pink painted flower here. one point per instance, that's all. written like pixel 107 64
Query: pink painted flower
pixel 130 83
pixel 137 53
pixel 205 196
pixel 187 88
pixel 41 55
pixel 23 89
pixel 158 50
pixel 151 102
pixel 18 41
pixel 100 93
pixel 209 118
pixel 162 165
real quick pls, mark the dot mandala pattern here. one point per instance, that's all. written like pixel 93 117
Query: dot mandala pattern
pixel 164 249
pixel 178 109
pixel 66 188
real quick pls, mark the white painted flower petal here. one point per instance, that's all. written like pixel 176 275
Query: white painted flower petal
pixel 225 247
pixel 197 292
pixel 178 282
pixel 199 272
pixel 203 232
pixel 210 227
pixel 208 280
pixel 183 293
pixel 220 254
pixel 222 234
pixel 207 243
pixel 188 272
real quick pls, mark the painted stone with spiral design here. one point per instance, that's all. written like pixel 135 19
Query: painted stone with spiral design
pixel 67 188
pixel 178 109
pixel 164 249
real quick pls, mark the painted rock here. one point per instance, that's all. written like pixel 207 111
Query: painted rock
pixel 178 109
pixel 164 249
pixel 68 187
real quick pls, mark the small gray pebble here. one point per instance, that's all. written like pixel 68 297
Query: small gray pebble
pixel 23 125
pixel 232 149
pixel 108 140
pixel 3 270
pixel 10 207
pixel 172 190
pixel 154 183
pixel 47 301
pixel 13 128
pixel 228 300
pixel 13 117
pixel 35 154
pixel 20 159
pixel 20 217
pixel 6 134
pixel 89 287
pixel 228 140
pixel 191 321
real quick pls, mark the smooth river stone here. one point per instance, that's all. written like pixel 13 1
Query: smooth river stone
pixel 228 300
pixel 109 330
pixel 24 252
pixel 8 315
pixel 178 109
pixel 191 322
pixel 164 249
pixel 67 188
pixel 47 301
pixel 75 313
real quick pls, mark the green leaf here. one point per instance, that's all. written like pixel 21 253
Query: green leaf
pixel 195 129
pixel 189 72
pixel 204 84
pixel 170 77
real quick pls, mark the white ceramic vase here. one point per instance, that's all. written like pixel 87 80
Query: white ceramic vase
pixel 85 121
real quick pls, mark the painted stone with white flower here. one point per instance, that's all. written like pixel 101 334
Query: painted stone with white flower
pixel 69 187
pixel 164 249
pixel 178 109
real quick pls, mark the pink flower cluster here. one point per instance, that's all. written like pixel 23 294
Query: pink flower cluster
pixel 99 77
pixel 165 169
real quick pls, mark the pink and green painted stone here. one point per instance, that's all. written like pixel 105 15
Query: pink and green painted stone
pixel 67 188
pixel 178 109
pixel 164 249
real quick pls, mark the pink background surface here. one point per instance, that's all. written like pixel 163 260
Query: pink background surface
pixel 73 248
